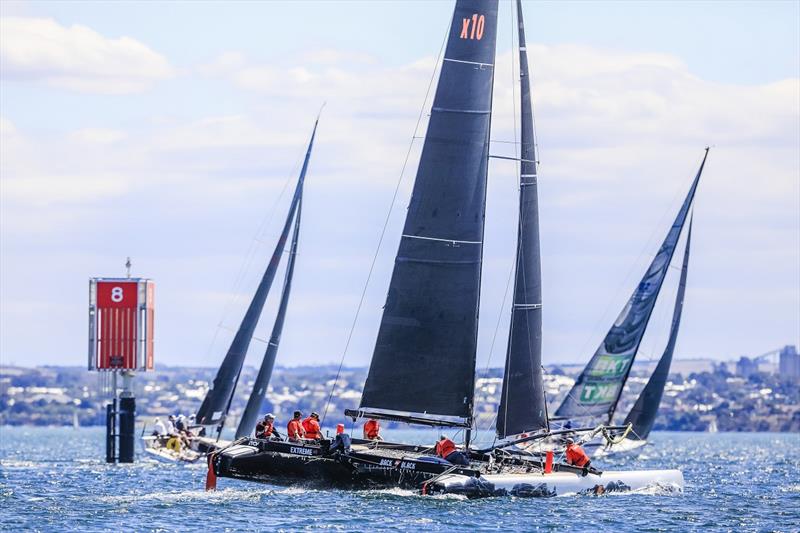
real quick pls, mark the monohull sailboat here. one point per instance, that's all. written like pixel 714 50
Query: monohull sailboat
pixel 598 389
pixel 423 366
pixel 217 402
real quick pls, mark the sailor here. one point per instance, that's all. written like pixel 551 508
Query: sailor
pixel 171 425
pixel 175 443
pixel 159 428
pixel 311 427
pixel 294 428
pixel 577 457
pixel 180 424
pixel 372 430
pixel 265 428
pixel 446 449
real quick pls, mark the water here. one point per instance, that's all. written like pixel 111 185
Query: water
pixel 56 479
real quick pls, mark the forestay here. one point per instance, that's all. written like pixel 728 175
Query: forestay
pixel 598 388
pixel 423 366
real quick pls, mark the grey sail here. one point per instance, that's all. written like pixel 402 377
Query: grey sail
pixel 247 423
pixel 423 366
pixel 218 399
pixel 643 413
pixel 598 388
pixel 522 403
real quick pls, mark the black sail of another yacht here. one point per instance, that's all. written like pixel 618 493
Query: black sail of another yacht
pixel 598 388
pixel 218 399
pixel 423 366
pixel 643 413
pixel 250 414
pixel 522 403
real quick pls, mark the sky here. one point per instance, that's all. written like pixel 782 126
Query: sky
pixel 171 132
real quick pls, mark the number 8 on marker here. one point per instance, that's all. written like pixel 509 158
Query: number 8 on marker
pixel 116 294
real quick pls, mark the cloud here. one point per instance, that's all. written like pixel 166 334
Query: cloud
pixel 620 137
pixel 77 57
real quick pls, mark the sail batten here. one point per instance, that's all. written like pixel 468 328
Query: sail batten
pixel 522 402
pixel 598 388
pixel 424 357
pixel 217 402
pixel 643 413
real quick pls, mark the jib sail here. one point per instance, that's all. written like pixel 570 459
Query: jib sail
pixel 598 388
pixel 217 402
pixel 522 404
pixel 643 413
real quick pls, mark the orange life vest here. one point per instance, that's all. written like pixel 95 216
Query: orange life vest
pixel 264 430
pixel 372 429
pixel 295 429
pixel 445 447
pixel 312 428
pixel 576 456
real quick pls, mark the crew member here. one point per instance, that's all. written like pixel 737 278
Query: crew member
pixel 311 427
pixel 294 428
pixel 265 428
pixel 159 428
pixel 446 449
pixel 372 430
pixel 577 457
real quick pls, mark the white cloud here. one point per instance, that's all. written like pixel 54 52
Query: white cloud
pixel 77 57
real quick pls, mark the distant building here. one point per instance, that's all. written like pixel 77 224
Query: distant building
pixel 745 367
pixel 789 365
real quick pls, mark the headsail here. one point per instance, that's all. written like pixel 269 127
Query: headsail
pixel 643 413
pixel 250 415
pixel 217 402
pixel 598 388
pixel 423 366
pixel 522 404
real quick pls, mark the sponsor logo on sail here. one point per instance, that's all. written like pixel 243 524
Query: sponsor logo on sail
pixel 472 28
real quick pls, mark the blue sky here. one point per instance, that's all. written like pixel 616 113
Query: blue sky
pixel 167 132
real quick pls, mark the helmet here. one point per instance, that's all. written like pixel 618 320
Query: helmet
pixel 314 414
pixel 269 416
pixel 298 414
pixel 570 440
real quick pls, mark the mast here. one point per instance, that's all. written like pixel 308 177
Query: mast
pixel 523 403
pixel 218 400
pixel 423 366
pixel 250 414
pixel 597 390
pixel 643 413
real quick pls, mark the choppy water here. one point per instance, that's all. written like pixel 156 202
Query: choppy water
pixel 55 479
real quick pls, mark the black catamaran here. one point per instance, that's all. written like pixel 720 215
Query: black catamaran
pixel 423 365
pixel 598 389
pixel 217 403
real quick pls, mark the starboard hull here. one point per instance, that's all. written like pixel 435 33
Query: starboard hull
pixel 556 483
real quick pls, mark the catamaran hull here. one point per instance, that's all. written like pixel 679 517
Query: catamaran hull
pixel 555 484
pixel 287 464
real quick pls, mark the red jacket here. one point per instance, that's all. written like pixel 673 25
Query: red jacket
pixel 576 456
pixel 372 429
pixel 445 447
pixel 312 429
pixel 295 429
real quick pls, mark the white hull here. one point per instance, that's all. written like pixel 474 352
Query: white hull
pixel 559 483
pixel 155 448
pixel 626 446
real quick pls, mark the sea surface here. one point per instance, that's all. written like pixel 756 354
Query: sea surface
pixel 55 479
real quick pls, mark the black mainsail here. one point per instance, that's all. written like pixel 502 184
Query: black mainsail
pixel 522 403
pixel 597 390
pixel 215 406
pixel 250 414
pixel 643 414
pixel 423 366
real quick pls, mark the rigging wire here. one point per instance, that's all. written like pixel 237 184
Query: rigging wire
pixel 385 224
